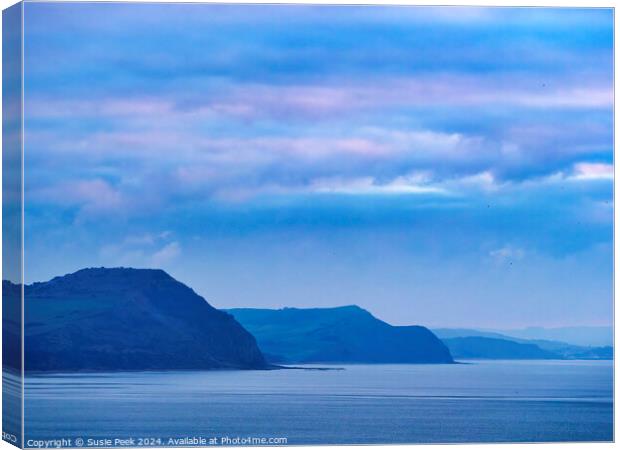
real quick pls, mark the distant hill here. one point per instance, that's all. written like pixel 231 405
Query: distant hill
pixel 581 336
pixel 492 348
pixel 569 351
pixel 129 319
pixel 347 334
pixel 552 349
pixel 447 333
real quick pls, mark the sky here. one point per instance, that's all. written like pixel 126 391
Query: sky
pixel 436 166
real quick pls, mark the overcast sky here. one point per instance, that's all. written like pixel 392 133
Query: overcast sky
pixel 440 166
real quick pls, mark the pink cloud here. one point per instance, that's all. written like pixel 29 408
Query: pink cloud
pixel 92 196
pixel 253 101
pixel 593 171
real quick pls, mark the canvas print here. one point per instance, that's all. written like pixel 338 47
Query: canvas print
pixel 306 224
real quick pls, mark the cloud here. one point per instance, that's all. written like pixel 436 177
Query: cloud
pixel 593 171
pixel 291 42
pixel 249 136
pixel 166 254
pixel 255 101
pixel 92 197
pixel 507 254
pixel 356 102
pixel 411 184
pixel 142 250
pixel 170 166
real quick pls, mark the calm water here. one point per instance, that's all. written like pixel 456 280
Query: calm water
pixel 481 401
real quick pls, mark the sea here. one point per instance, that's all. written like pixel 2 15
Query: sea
pixel 474 401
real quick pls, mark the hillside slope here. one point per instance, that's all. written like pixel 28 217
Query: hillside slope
pixel 129 319
pixel 347 334
pixel 493 345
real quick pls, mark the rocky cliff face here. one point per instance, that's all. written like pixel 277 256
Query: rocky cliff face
pixel 130 319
